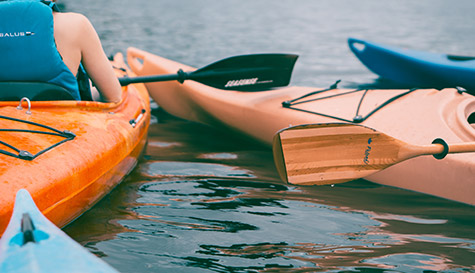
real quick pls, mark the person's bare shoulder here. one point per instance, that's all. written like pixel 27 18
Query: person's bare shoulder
pixel 72 24
pixel 70 18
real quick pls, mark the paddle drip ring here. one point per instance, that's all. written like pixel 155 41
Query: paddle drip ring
pixel 181 76
pixel 446 148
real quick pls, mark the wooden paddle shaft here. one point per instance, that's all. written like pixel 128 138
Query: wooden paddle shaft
pixel 462 147
pixel 439 149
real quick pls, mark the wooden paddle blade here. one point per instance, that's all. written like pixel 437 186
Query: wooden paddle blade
pixel 322 154
pixel 247 72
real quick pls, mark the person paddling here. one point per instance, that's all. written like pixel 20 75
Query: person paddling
pixel 39 43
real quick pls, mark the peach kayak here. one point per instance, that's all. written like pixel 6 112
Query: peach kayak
pixel 69 154
pixel 416 116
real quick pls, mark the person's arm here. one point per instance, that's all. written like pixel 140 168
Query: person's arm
pixel 97 64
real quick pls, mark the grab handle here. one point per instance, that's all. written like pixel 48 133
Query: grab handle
pixel 356 45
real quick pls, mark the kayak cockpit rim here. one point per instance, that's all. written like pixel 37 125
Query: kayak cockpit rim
pixel 465 117
pixel 92 105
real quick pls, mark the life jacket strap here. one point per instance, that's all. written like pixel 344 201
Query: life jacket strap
pixel 51 4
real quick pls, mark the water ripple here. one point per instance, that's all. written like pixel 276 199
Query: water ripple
pixel 173 168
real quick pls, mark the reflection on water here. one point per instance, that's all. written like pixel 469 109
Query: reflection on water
pixel 241 225
pixel 195 211
pixel 171 168
pixel 205 200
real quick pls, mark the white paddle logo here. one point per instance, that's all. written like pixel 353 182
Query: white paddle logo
pixel 242 82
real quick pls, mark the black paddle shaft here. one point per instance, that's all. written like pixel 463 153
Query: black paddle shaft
pixel 245 73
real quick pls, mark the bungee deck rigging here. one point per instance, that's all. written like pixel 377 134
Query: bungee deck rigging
pixel 26 155
pixel 357 118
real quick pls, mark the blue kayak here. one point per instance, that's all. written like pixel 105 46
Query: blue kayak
pixel 31 243
pixel 416 68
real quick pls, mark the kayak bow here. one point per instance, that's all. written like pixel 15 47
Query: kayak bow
pixel 416 68
pixel 32 244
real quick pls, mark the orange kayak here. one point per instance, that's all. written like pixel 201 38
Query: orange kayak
pixel 413 116
pixel 70 154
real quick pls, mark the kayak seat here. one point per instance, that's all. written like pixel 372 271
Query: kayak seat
pixel 35 91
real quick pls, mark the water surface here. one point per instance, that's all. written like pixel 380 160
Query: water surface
pixel 205 200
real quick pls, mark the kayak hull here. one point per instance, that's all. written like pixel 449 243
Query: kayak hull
pixel 417 117
pixel 51 251
pixel 416 68
pixel 71 177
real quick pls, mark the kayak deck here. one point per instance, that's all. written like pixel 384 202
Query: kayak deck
pixel 66 180
pixel 414 67
pixel 417 117
pixel 32 243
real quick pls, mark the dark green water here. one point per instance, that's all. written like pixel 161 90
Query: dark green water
pixel 203 200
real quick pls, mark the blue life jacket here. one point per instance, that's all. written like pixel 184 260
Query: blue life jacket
pixel 27 47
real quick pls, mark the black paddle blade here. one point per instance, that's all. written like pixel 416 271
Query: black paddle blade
pixel 248 72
